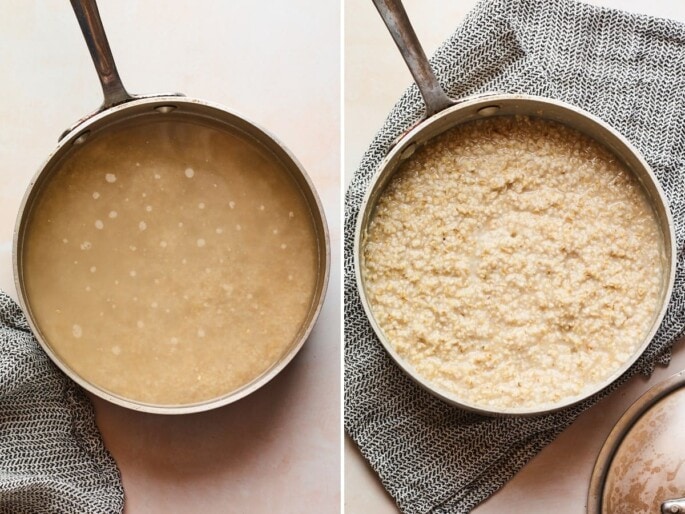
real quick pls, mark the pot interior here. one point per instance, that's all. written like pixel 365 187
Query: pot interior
pixel 171 256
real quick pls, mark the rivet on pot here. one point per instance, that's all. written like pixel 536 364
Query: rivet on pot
pixel 489 110
pixel 79 140
pixel 165 109
pixel 408 152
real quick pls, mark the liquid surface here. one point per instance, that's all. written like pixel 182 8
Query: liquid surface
pixel 514 263
pixel 170 263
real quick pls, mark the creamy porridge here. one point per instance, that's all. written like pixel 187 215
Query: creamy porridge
pixel 170 263
pixel 513 263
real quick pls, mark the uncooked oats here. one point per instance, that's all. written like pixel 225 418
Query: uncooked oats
pixel 155 299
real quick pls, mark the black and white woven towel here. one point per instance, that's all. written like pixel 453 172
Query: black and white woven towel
pixel 52 459
pixel 627 69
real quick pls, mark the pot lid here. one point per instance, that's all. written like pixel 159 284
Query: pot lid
pixel 640 467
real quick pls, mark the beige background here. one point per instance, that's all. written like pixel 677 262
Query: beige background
pixel 278 450
pixel 375 77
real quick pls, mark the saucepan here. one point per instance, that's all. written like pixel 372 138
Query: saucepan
pixel 118 111
pixel 443 113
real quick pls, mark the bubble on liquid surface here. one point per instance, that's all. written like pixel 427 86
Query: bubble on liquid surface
pixel 201 205
pixel 163 244
pixel 284 246
pixel 174 340
pixel 154 305
pixel 190 172
pixel 201 242
pixel 219 230
pixel 86 245
pixel 231 204
pixel 140 324
pixel 99 224
pixel 96 195
pixel 261 207
pixel 93 269
pixel 238 227
pixel 148 208
pixel 65 240
pixel 116 350
pixel 132 273
pixel 291 214
pixel 142 226
pixel 113 214
pixel 77 331
pixel 200 332
pixel 111 178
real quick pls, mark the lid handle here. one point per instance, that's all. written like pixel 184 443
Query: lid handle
pixel 676 506
pixel 397 22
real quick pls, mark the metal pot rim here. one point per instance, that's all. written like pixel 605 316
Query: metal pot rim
pixel 318 215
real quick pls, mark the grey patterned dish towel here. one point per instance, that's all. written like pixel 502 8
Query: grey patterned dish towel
pixel 52 459
pixel 627 69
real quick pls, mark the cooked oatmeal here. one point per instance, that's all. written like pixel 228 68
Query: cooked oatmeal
pixel 513 263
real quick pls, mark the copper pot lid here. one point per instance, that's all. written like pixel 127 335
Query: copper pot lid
pixel 640 467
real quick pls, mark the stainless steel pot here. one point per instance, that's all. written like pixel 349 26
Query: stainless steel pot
pixel 443 113
pixel 120 108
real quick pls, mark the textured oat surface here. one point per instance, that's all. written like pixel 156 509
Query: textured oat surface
pixel 514 263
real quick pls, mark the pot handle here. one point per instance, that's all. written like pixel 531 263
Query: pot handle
pixel 113 88
pixel 396 20
pixel 90 22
